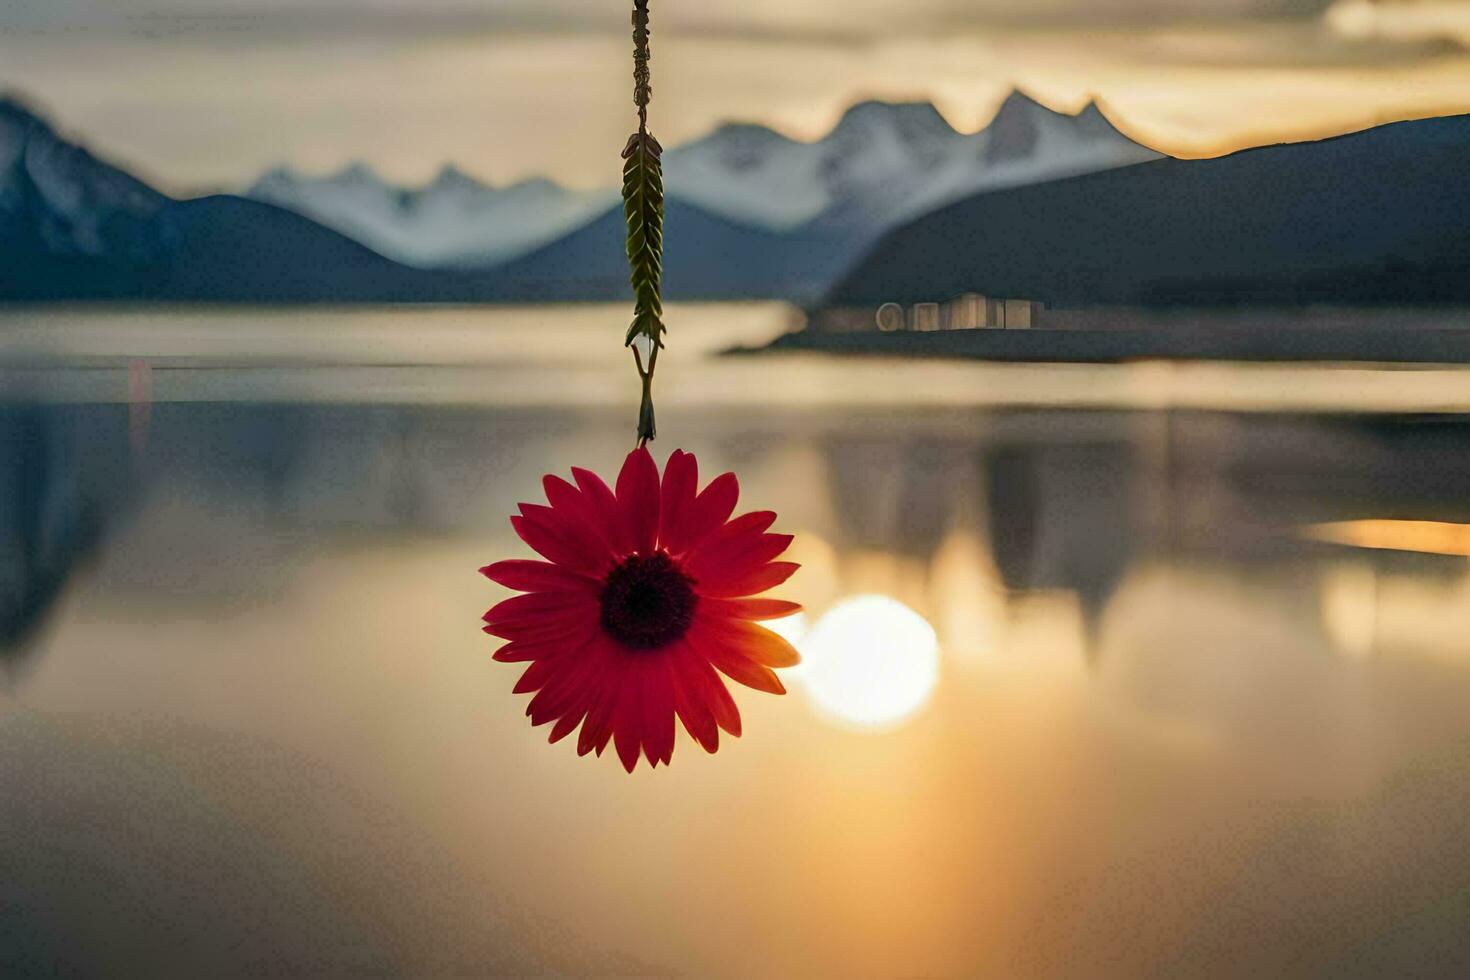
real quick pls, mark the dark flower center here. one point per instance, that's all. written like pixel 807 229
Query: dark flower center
pixel 647 601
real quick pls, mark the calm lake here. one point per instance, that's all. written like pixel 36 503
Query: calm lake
pixel 1182 684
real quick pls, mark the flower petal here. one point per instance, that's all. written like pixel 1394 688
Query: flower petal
pixel 542 606
pixel 535 677
pixel 746 525
pixel 658 712
pixel 739 638
pixel 628 717
pixel 604 506
pixel 733 661
pixel 716 696
pixel 524 575
pixel 689 701
pixel 562 693
pixel 578 529
pixel 573 629
pixel 737 557
pixel 523 651
pixel 676 499
pixel 566 724
pixel 570 503
pixel 597 729
pixel 638 493
pixel 749 608
pixel 710 510
pixel 587 739
pixel 538 531
pixel 749 673
pixel 751 582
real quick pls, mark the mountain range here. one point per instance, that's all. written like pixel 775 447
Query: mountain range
pixel 1380 216
pixel 453 222
pixel 881 163
pixel 751 214
pixel 73 226
pixel 892 205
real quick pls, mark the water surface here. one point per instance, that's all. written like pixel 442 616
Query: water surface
pixel 1200 706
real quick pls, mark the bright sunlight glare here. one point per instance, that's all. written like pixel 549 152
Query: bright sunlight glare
pixel 870 661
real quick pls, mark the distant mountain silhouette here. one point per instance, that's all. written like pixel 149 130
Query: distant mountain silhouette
pixel 1381 216
pixel 239 249
pixel 75 227
pixel 66 217
pixel 714 258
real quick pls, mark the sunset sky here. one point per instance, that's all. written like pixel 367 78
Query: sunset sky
pixel 203 93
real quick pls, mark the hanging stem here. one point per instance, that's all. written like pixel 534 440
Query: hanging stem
pixel 646 427
pixel 643 211
pixel 642 74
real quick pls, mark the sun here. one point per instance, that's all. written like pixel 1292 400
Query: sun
pixel 870 661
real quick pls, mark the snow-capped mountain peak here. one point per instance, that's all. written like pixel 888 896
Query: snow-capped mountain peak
pixel 882 162
pixel 1027 142
pixel 1025 130
pixel 876 136
pixel 745 171
pixel 454 220
pixel 911 123
pixel 452 180
pixel 1093 122
pixel 360 174
pixel 754 175
pixel 738 146
pixel 357 179
pixel 1015 132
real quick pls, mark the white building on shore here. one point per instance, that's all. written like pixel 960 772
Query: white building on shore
pixel 971 311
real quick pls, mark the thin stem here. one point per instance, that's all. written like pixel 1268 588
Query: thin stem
pixel 646 427
pixel 642 75
pixel 642 95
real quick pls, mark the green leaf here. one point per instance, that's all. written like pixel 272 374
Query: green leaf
pixel 643 211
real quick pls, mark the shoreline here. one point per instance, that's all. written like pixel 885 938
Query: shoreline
pixel 1419 346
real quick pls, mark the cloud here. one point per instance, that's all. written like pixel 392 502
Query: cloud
pixel 1120 12
pixel 808 19
pixel 1404 21
pixel 286 19
pixel 1267 44
pixel 219 90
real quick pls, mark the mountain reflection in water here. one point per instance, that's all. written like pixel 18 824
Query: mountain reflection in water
pixel 64 476
pixel 1062 503
pixel 247 692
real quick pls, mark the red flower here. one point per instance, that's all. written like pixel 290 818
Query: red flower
pixel 644 595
